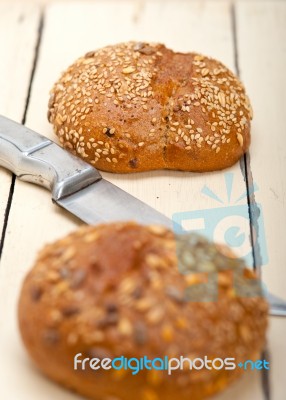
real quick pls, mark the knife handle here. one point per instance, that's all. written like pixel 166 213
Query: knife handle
pixel 34 158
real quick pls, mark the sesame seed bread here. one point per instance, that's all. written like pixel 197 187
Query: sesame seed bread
pixel 115 290
pixel 140 106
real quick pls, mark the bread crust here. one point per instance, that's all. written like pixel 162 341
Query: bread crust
pixel 115 290
pixel 140 106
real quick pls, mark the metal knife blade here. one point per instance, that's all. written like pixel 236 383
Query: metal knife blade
pixel 104 202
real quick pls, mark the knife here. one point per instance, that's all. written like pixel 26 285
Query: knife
pixel 77 186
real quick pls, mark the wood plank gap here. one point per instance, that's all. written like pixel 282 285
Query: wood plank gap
pixel 265 376
pixel 253 210
pixel 23 120
pixel 245 161
pixel 34 66
pixel 7 212
pixel 234 36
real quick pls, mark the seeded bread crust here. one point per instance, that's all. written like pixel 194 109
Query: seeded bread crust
pixel 140 106
pixel 115 290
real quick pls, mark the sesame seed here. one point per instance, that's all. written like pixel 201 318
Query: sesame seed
pixel 240 139
pixel 205 71
pixel 221 98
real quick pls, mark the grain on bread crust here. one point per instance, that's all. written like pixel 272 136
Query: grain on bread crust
pixel 140 106
pixel 115 290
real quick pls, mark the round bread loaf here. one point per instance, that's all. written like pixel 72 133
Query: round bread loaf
pixel 140 106
pixel 115 290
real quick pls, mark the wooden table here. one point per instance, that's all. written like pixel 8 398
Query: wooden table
pixel 37 44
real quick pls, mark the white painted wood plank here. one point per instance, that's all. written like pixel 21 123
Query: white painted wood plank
pixel 262 58
pixel 262 54
pixel 201 26
pixel 18 35
pixel 18 27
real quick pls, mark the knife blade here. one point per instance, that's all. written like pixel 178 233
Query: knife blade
pixel 75 185
pixel 104 202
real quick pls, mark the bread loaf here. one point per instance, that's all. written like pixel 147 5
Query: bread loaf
pixel 115 290
pixel 140 106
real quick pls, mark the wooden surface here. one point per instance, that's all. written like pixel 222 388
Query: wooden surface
pixel 18 32
pixel 248 37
